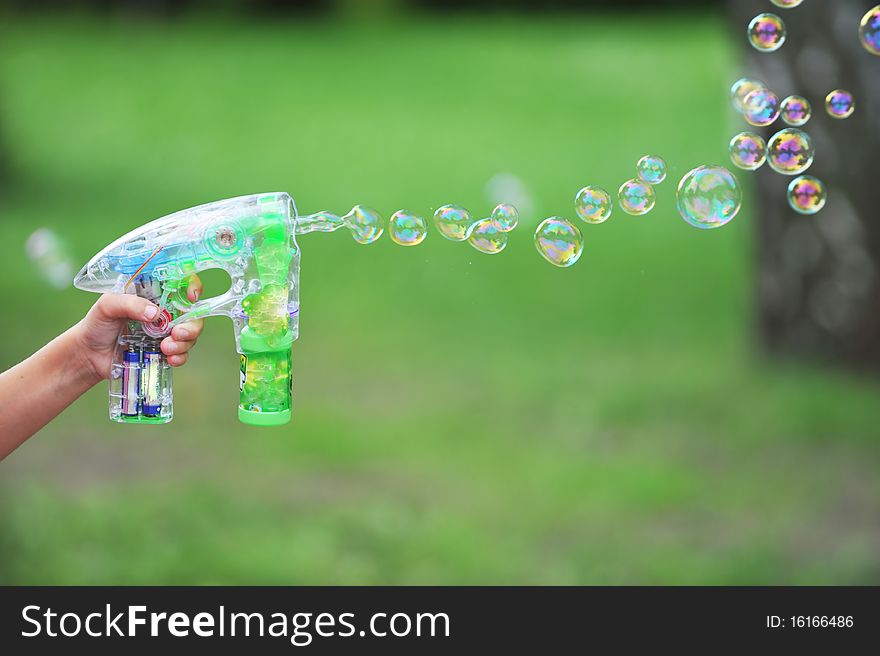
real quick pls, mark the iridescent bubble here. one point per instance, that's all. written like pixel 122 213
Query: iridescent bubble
pixel 869 31
pixel 806 194
pixel 786 4
pixel 364 223
pixel 742 88
pixel 453 222
pixel 559 241
pixel 593 204
pixel 795 110
pixel 506 215
pixel 840 103
pixel 488 237
pixel 761 107
pixel 790 151
pixel 407 229
pixel 766 32
pixel 636 197
pixel 708 197
pixel 748 151
pixel 651 169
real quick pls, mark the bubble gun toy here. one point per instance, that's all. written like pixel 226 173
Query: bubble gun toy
pixel 252 238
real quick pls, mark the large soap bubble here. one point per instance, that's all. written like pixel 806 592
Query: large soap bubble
pixel 708 197
pixel 559 241
pixel 790 151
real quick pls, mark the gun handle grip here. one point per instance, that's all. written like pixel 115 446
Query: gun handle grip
pixel 141 391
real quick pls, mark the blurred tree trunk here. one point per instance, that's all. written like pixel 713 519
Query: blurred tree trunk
pixel 818 292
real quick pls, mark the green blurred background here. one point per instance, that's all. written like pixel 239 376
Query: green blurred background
pixel 459 418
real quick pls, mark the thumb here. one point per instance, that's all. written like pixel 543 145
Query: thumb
pixel 111 307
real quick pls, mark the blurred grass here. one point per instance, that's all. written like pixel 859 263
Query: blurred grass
pixel 459 418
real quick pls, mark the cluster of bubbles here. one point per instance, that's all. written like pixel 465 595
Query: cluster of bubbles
pixel 707 196
pixel 406 228
pixel 636 196
pixel 789 151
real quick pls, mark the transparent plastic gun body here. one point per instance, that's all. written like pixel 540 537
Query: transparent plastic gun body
pixel 253 239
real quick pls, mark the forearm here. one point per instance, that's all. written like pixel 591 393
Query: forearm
pixel 33 392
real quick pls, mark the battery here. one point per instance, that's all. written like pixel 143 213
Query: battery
pixel 151 384
pixel 131 382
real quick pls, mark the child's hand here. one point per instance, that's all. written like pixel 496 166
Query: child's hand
pixel 97 332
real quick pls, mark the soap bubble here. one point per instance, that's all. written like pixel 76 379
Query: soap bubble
pixel 488 236
pixel 364 223
pixel 806 194
pixel 742 88
pixel 593 204
pixel 50 255
pixel 652 169
pixel 786 4
pixel 761 107
pixel 869 31
pixel 407 229
pixel 840 103
pixel 748 151
pixel 766 32
pixel 708 197
pixel 559 241
pixel 636 197
pixel 453 222
pixel 506 215
pixel 796 110
pixel 790 151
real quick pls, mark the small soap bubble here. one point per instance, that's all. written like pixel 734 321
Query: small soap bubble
pixel 708 197
pixel 806 194
pixel 559 241
pixel 506 215
pixel 790 151
pixel 651 169
pixel 364 223
pixel 761 107
pixel 50 255
pixel 593 204
pixel 840 103
pixel 869 31
pixel 453 222
pixel 407 229
pixel 488 236
pixel 786 4
pixel 795 110
pixel 748 151
pixel 636 197
pixel 766 32
pixel 742 88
